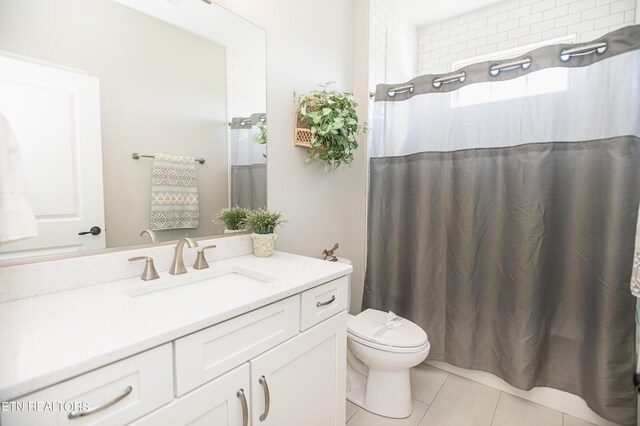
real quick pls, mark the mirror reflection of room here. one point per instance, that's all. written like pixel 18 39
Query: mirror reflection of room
pixel 126 128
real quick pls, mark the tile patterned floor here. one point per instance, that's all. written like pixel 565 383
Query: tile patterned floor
pixel 444 399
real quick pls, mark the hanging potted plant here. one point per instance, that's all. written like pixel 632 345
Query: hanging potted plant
pixel 264 224
pixel 234 219
pixel 327 124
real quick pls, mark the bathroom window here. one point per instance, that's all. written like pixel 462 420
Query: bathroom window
pixel 549 80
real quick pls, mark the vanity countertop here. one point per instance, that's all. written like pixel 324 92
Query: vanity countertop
pixel 50 338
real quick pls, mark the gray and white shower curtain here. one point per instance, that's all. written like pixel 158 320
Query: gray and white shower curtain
pixel 502 212
pixel 248 163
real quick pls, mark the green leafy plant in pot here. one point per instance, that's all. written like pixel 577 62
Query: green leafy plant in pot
pixel 333 123
pixel 234 219
pixel 264 224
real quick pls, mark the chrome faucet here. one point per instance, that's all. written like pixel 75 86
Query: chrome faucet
pixel 177 267
pixel 150 233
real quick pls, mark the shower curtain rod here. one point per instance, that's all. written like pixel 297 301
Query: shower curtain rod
pixel 263 118
pixel 496 68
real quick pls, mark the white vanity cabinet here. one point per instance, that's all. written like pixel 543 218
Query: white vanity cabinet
pixel 302 381
pixel 282 364
pixel 294 375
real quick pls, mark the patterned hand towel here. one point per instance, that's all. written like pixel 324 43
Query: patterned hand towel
pixel 174 193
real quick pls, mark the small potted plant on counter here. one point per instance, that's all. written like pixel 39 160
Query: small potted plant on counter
pixel 264 224
pixel 234 219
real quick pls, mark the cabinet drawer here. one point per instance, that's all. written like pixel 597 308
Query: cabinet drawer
pixel 206 354
pixel 218 402
pixel 116 394
pixel 319 303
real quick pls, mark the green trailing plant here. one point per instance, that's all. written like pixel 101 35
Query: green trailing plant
pixel 265 221
pixel 333 121
pixel 234 218
pixel 261 137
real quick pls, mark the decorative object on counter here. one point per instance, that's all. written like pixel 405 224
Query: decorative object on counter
pixel 327 124
pixel 264 224
pixel 234 219
pixel 174 193
pixel 329 253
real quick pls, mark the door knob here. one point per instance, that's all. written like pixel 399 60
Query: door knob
pixel 93 231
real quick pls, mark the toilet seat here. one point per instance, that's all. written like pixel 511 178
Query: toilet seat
pixel 369 328
pixel 387 348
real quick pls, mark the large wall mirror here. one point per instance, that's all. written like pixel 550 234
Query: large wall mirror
pixel 132 115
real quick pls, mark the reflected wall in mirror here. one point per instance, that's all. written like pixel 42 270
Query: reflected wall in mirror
pixel 85 84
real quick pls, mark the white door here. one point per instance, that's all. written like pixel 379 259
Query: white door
pixel 55 115
pixel 303 379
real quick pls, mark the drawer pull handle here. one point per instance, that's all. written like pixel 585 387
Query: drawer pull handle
pixel 267 398
pixel 76 414
pixel 245 408
pixel 327 302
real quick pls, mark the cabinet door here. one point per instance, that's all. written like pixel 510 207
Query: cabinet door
pixel 219 402
pixel 112 395
pixel 302 381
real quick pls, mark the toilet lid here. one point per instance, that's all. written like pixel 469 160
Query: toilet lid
pixel 371 325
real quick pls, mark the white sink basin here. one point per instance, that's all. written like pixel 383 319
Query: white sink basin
pixel 216 283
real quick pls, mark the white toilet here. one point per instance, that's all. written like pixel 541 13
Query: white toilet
pixel 379 356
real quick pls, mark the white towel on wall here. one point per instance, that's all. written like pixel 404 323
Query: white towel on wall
pixel 17 220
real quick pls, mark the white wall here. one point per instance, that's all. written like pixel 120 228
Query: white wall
pixel 516 23
pixel 310 42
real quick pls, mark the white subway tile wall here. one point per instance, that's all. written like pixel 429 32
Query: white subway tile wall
pixel 246 84
pixel 393 44
pixel 511 24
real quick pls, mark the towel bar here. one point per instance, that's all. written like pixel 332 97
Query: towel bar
pixel 136 156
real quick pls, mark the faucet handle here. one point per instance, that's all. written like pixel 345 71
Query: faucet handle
pixel 149 272
pixel 201 261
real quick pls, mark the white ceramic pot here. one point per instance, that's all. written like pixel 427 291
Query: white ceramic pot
pixel 234 231
pixel 263 244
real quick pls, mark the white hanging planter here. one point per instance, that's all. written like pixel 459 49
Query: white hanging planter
pixel 263 244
